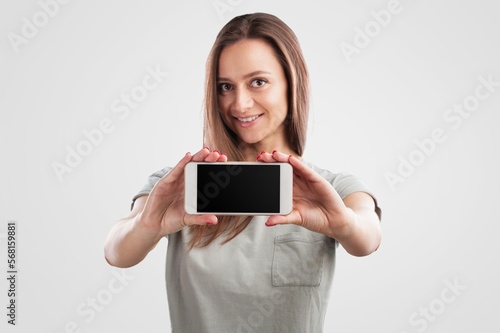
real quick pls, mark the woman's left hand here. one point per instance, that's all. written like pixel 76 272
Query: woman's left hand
pixel 318 207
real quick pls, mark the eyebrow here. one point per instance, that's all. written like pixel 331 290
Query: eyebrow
pixel 246 76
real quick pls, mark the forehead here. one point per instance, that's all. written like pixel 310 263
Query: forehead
pixel 246 56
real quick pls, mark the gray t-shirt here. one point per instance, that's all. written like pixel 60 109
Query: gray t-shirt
pixel 266 279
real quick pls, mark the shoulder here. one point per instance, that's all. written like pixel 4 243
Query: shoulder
pixel 343 182
pixel 151 182
pixel 154 177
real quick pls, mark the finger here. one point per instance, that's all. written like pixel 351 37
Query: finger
pixel 281 157
pixel 222 158
pixel 201 155
pixel 292 218
pixel 178 170
pixel 205 219
pixel 212 157
pixel 266 157
pixel 299 167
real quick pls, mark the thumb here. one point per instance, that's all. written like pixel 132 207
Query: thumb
pixel 292 218
pixel 178 170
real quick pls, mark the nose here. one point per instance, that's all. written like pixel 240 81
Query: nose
pixel 243 101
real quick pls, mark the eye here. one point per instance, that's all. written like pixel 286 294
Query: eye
pixel 257 83
pixel 224 87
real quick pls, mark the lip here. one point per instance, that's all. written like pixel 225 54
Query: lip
pixel 247 123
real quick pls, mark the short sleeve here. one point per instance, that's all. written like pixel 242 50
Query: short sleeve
pixel 151 182
pixel 345 184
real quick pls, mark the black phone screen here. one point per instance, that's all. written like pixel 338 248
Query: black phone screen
pixel 238 188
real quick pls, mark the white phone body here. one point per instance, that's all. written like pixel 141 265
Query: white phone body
pixel 238 188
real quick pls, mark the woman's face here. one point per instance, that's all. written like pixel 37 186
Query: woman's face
pixel 252 93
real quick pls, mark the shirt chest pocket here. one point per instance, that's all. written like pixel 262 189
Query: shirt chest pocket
pixel 298 260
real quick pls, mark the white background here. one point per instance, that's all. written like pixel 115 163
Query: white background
pixel 440 224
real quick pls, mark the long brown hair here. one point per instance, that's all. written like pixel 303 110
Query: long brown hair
pixel 218 135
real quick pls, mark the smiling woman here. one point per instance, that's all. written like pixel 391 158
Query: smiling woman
pixel 253 97
pixel 263 55
pixel 235 273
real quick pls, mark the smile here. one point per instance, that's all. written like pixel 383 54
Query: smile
pixel 248 119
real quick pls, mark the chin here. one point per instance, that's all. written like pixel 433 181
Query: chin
pixel 250 141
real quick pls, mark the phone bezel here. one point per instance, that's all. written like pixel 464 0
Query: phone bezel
pixel 286 188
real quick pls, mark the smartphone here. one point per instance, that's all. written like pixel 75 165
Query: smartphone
pixel 238 188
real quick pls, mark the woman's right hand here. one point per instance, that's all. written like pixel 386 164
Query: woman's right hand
pixel 164 212
pixel 156 215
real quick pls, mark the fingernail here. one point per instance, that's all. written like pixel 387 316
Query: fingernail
pixel 206 148
pixel 259 158
pixel 275 151
pixel 224 154
pixel 262 152
pixel 270 224
pixel 216 151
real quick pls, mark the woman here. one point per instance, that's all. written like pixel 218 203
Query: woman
pixel 236 274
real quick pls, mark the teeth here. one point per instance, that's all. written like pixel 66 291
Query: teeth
pixel 246 120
